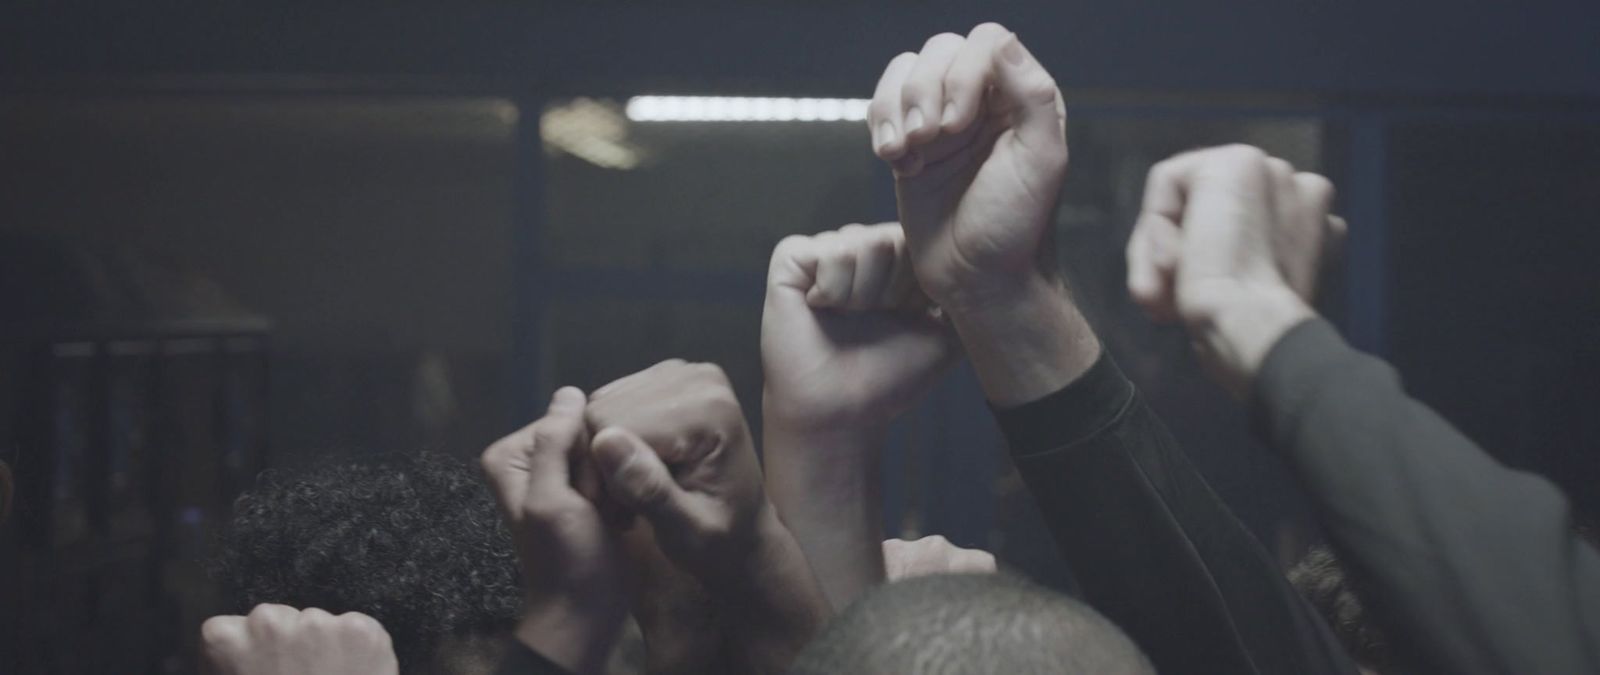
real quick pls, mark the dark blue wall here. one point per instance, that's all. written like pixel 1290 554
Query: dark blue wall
pixel 1363 48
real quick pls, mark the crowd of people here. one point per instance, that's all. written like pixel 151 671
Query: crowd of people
pixel 633 529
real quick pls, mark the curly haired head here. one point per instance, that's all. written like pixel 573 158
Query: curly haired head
pixel 1321 579
pixel 413 540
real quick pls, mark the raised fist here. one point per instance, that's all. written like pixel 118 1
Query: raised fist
pixel 975 130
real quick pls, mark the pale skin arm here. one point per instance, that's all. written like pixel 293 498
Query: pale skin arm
pixel 848 344
pixel 974 128
pixel 833 508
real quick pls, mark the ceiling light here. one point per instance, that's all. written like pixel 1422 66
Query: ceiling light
pixel 745 109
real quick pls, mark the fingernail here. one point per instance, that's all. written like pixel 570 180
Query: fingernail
pixel 1014 53
pixel 950 113
pixel 914 120
pixel 565 396
pixel 885 134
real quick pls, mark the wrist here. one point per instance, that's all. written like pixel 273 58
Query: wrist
pixel 1026 343
pixel 1238 334
pixel 576 635
pixel 771 602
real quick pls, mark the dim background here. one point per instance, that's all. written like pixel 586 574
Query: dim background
pixel 236 236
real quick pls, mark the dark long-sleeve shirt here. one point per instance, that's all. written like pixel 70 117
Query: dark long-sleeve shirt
pixel 1470 567
pixel 520 659
pixel 1152 547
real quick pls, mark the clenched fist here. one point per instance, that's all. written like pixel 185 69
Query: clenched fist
pixel 671 442
pixel 282 640
pixel 975 131
pixel 847 337
pixel 1231 242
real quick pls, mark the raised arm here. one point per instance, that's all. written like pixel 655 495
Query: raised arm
pixel 574 602
pixel 671 443
pixel 1469 566
pixel 974 129
pixel 847 344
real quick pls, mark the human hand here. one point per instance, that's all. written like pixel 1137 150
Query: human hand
pixel 282 640
pixel 932 555
pixel 571 567
pixel 1231 243
pixel 847 337
pixel 684 416
pixel 676 616
pixel 672 444
pixel 975 130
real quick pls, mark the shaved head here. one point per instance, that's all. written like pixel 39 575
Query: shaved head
pixel 970 624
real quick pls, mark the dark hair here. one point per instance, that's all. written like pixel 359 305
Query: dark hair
pixel 1321 579
pixel 415 541
pixel 970 623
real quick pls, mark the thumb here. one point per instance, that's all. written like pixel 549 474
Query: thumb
pixel 636 477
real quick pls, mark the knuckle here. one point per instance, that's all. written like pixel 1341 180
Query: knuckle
pixel 988 28
pixel 220 630
pixel 1040 89
pixel 493 459
pixel 942 39
pixel 1242 153
pixel 793 242
pixel 272 619
pixel 1317 184
pixel 643 487
pixel 356 623
pixel 713 373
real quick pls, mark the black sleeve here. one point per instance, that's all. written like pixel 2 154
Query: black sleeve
pixel 520 659
pixel 1150 545
pixel 1469 566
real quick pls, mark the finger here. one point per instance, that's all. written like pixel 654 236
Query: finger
pixel 974 561
pixel 271 621
pixel 1031 96
pixel 316 617
pixel 1167 186
pixel 836 272
pixel 875 263
pixel 794 264
pixel 1153 253
pixel 554 441
pixel 1333 241
pixel 922 95
pixel 903 292
pixel 513 462
pixel 1286 193
pixel 966 81
pixel 1144 280
pixel 636 477
pixel 1316 192
pixel 1338 229
pixel 223 633
pixel 883 114
pixel 222 640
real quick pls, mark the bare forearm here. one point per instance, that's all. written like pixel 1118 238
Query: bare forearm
pixel 770 606
pixel 827 488
pixel 1028 343
pixel 577 638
